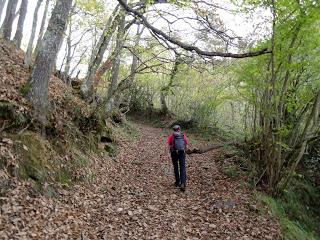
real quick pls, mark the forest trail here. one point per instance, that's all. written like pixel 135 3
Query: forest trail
pixel 133 197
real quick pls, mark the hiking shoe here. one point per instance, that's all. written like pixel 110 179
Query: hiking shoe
pixel 183 187
pixel 177 184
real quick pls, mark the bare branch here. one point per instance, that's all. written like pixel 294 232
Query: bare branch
pixel 186 46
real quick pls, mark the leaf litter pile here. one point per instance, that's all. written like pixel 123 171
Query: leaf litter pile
pixel 133 197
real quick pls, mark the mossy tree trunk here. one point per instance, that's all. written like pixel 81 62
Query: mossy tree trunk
pixel 167 88
pixel 116 66
pixel 46 58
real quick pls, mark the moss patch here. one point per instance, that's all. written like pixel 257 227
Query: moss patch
pixel 35 154
pixel 111 148
pixel 24 90
pixel 41 163
pixel 231 171
pixel 64 177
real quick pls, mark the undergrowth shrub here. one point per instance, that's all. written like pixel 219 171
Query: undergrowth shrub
pixel 297 210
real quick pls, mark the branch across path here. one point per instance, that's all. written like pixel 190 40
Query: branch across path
pixel 132 197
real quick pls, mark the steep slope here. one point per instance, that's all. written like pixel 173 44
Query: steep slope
pixel 46 155
pixel 13 86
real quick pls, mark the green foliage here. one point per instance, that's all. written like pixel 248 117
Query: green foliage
pixel 297 210
pixel 64 177
pixel 25 89
pixel 276 113
pixel 180 3
pixel 231 171
pixel 129 130
pixel 301 200
pixel 96 13
pixel 200 97
pixel 96 6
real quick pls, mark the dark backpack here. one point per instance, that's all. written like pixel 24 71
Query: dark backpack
pixel 178 142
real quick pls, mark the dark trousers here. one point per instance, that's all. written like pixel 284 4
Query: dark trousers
pixel 179 166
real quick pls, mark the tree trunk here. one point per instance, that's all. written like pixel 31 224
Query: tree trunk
pixel 77 64
pixel 310 130
pixel 28 56
pixel 69 50
pixel 103 69
pixel 98 52
pixel 119 97
pixel 108 64
pixel 134 63
pixel 165 90
pixel 2 3
pixel 45 59
pixel 128 81
pixel 116 66
pixel 269 140
pixel 8 20
pixel 163 102
pixel 19 33
pixel 43 23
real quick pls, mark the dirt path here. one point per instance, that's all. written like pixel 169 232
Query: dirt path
pixel 134 198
